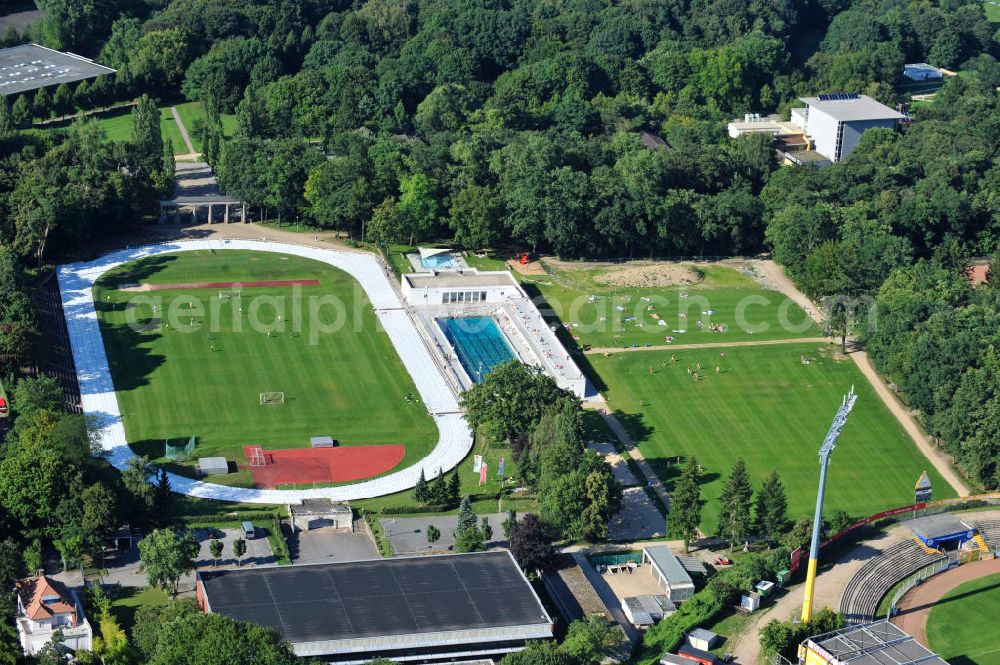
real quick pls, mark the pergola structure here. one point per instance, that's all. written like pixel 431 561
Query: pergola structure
pixel 172 209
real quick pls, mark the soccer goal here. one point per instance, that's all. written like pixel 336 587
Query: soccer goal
pixel 267 399
pixel 256 457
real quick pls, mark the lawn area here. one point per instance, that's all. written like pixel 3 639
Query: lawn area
pixel 992 10
pixel 962 627
pixel 117 126
pixel 129 600
pixel 347 383
pixel 592 313
pixel 774 411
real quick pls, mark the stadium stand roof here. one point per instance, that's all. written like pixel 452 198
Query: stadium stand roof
pixel 463 601
pixel 940 528
pixel 30 66
pixel 879 643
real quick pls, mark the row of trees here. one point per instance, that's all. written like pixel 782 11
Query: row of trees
pixel 936 338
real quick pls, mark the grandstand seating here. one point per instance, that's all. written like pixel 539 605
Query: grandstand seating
pixel 990 530
pixel 875 578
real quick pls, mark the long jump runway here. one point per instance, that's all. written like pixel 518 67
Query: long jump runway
pixel 100 402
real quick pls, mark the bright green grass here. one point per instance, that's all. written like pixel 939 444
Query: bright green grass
pixel 117 126
pixel 128 601
pixel 962 627
pixel 192 115
pixel 774 411
pixel 992 10
pixel 350 384
pixel 737 301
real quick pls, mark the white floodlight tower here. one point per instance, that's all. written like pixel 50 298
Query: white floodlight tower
pixel 829 443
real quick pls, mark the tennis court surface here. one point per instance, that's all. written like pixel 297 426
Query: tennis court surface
pixel 297 466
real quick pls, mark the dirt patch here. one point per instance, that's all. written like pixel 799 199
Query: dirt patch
pixel 648 275
pixel 529 268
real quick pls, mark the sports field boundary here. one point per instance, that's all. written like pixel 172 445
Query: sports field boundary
pixel 914 609
pixel 219 285
pixel 100 402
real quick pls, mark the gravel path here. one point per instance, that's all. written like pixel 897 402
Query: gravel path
pixel 915 607
pixel 183 130
pixel 833 576
pixel 773 276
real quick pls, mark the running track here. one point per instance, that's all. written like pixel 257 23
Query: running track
pixel 99 401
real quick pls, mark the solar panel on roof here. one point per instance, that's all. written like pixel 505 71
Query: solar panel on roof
pixel 838 96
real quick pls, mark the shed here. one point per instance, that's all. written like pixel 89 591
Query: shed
pixel 699 655
pixel 764 588
pixel 674 659
pixel 213 465
pixel 321 513
pixel 693 565
pixel 645 611
pixel 750 602
pixel 322 441
pixel 702 639
pixel 669 572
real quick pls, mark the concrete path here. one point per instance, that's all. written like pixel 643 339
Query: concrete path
pixel 183 130
pixel 601 406
pixel 915 607
pixel 708 345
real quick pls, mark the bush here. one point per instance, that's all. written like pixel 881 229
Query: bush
pixel 413 510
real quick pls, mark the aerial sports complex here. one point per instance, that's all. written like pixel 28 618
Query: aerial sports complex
pixel 239 415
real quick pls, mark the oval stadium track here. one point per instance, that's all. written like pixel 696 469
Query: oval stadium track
pixel 99 401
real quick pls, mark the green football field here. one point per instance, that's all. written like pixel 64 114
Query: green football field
pixel 349 384
pixel 962 627
pixel 772 409
pixel 594 314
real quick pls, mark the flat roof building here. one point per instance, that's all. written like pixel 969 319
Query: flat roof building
pixel 669 572
pixel 879 643
pixel 430 608
pixel 29 67
pixel 921 71
pixel 835 122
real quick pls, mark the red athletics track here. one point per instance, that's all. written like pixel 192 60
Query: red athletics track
pixel 225 285
pixel 323 465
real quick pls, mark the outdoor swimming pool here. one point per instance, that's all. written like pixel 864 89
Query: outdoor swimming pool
pixel 478 342
pixel 439 261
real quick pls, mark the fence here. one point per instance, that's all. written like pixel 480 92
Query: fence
pixel 915 579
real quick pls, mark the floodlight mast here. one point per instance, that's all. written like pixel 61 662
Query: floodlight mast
pixel 829 443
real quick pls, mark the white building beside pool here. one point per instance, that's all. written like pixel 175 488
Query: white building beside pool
pixel 472 320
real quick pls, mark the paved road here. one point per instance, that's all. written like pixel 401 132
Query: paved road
pixel 707 345
pixel 183 129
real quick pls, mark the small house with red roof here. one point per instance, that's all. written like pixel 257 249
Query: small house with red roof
pixel 45 605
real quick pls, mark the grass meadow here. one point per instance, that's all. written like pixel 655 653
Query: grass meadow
pixel 962 627
pixel 770 408
pixel 349 384
pixel 594 314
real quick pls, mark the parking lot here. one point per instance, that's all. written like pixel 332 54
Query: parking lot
pixel 258 549
pixel 330 545
pixel 408 535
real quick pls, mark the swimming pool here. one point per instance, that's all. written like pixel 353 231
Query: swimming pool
pixel 439 261
pixel 478 342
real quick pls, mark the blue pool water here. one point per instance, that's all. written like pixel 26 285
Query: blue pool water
pixel 439 261
pixel 478 342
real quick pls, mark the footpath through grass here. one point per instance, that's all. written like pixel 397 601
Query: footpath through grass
pixel 962 627
pixel 772 409
pixel 348 383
